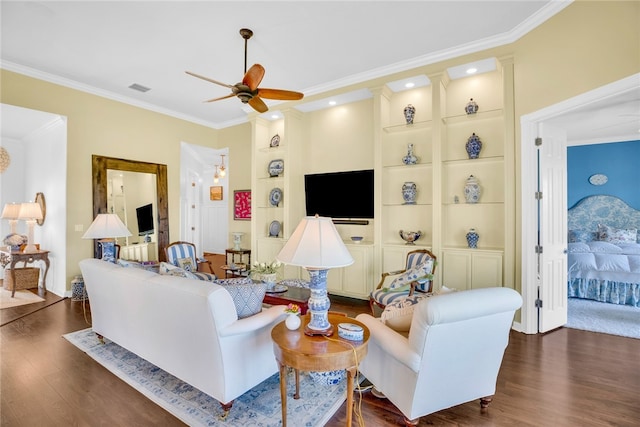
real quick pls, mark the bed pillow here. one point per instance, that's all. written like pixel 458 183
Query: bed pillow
pixel 617 235
pixel 247 298
pixel 578 247
pixel 612 262
pixel 582 236
pixel 606 247
pixel 630 248
pixel 582 261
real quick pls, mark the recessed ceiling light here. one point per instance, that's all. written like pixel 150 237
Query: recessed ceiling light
pixel 332 103
pixel 476 67
pixel 472 70
pixel 274 116
pixel 409 85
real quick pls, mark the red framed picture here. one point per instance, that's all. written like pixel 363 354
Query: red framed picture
pixel 242 204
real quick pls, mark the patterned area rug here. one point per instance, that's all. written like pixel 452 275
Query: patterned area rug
pixel 595 316
pixel 21 297
pixel 259 406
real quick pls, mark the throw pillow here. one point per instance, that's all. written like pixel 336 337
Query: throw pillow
pixel 617 235
pixel 171 270
pixel 398 314
pixel 247 298
pixel 412 275
pixel 129 264
pixel 187 264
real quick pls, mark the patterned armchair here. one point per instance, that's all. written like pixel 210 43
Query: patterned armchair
pixel 396 285
pixel 183 255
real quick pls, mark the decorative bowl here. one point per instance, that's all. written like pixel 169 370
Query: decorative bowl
pixel 356 239
pixel 410 236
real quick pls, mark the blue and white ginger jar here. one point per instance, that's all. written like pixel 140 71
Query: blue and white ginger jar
pixel 471 107
pixel 472 238
pixel 473 146
pixel 409 113
pixel 472 190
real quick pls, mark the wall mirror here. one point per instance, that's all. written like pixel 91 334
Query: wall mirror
pixel 104 167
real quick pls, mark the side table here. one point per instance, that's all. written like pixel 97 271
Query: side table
pixel 27 258
pixel 238 257
pixel 317 353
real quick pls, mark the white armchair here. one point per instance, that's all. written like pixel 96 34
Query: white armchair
pixel 452 355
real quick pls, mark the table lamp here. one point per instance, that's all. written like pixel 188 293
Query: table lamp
pixel 107 227
pixel 316 245
pixel 30 212
pixel 11 212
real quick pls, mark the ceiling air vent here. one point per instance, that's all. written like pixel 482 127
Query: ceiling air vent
pixel 139 88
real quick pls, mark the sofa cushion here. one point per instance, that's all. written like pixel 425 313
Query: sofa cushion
pixel 247 298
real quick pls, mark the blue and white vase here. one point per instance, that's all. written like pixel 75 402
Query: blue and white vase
pixel 472 190
pixel 409 193
pixel 472 238
pixel 473 146
pixel 471 107
pixel 410 158
pixel 409 113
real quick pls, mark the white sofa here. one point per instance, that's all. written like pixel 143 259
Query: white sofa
pixel 187 327
pixel 452 355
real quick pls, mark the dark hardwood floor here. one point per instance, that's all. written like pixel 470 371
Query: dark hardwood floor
pixel 564 378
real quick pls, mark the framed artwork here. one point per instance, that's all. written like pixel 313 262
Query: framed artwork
pixel 215 193
pixel 242 204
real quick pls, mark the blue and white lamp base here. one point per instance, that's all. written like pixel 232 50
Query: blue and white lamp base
pixel 108 250
pixel 318 305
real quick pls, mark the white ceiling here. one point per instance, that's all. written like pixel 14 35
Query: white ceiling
pixel 309 46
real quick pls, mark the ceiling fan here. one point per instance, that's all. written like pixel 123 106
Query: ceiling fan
pixel 247 90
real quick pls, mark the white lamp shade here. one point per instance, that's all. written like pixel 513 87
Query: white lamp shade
pixel 30 211
pixel 11 211
pixel 106 226
pixel 315 243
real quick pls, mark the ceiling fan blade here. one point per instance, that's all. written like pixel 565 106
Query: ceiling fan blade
pixel 287 95
pixel 253 77
pixel 258 104
pixel 222 97
pixel 208 79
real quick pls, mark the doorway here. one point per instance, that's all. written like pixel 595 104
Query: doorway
pixel 606 108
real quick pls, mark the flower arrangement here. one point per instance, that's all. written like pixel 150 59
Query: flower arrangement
pixel 15 240
pixel 292 309
pixel 265 268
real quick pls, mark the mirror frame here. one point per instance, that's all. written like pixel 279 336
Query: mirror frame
pixel 99 166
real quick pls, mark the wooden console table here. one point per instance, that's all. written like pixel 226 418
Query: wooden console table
pixel 27 258
pixel 318 354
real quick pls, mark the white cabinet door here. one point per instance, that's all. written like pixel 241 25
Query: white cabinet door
pixel 356 280
pixel 471 269
pixel 456 270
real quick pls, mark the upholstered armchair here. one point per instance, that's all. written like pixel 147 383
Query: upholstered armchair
pixel 416 276
pixel 184 255
pixel 452 355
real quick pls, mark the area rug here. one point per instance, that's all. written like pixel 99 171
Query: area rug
pixel 259 406
pixel 21 297
pixel 595 316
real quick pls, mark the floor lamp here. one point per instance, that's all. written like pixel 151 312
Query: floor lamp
pixel 106 227
pixel 316 245
pixel 30 212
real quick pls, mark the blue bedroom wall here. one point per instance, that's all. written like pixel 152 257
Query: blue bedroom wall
pixel 619 161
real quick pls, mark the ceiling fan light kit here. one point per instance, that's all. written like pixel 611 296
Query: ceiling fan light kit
pixel 247 90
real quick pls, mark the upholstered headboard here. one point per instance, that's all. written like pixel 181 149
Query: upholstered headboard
pixel 584 216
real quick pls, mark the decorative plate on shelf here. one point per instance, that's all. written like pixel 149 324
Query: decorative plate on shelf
pixel 598 179
pixel 275 141
pixel 276 167
pixel 274 229
pixel 275 197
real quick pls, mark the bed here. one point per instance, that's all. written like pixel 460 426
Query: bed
pixel 604 251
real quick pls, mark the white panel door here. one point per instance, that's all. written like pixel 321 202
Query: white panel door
pixel 552 278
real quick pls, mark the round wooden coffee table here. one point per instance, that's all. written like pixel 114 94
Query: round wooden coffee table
pixel 317 353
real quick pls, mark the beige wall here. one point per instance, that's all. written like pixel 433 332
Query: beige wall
pixel 587 45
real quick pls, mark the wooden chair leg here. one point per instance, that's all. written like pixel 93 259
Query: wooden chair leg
pixel 485 401
pixel 411 423
pixel 226 407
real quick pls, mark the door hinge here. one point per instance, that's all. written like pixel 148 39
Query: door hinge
pixel 538 141
pixel 538 195
pixel 538 249
pixel 538 303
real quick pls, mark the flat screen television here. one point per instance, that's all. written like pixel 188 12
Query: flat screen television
pixel 345 195
pixel 145 219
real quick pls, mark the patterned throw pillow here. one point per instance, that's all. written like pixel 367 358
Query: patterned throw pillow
pixel 247 298
pixel 617 235
pixel 187 264
pixel 398 314
pixel 171 270
pixel 411 275
pixel 129 264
